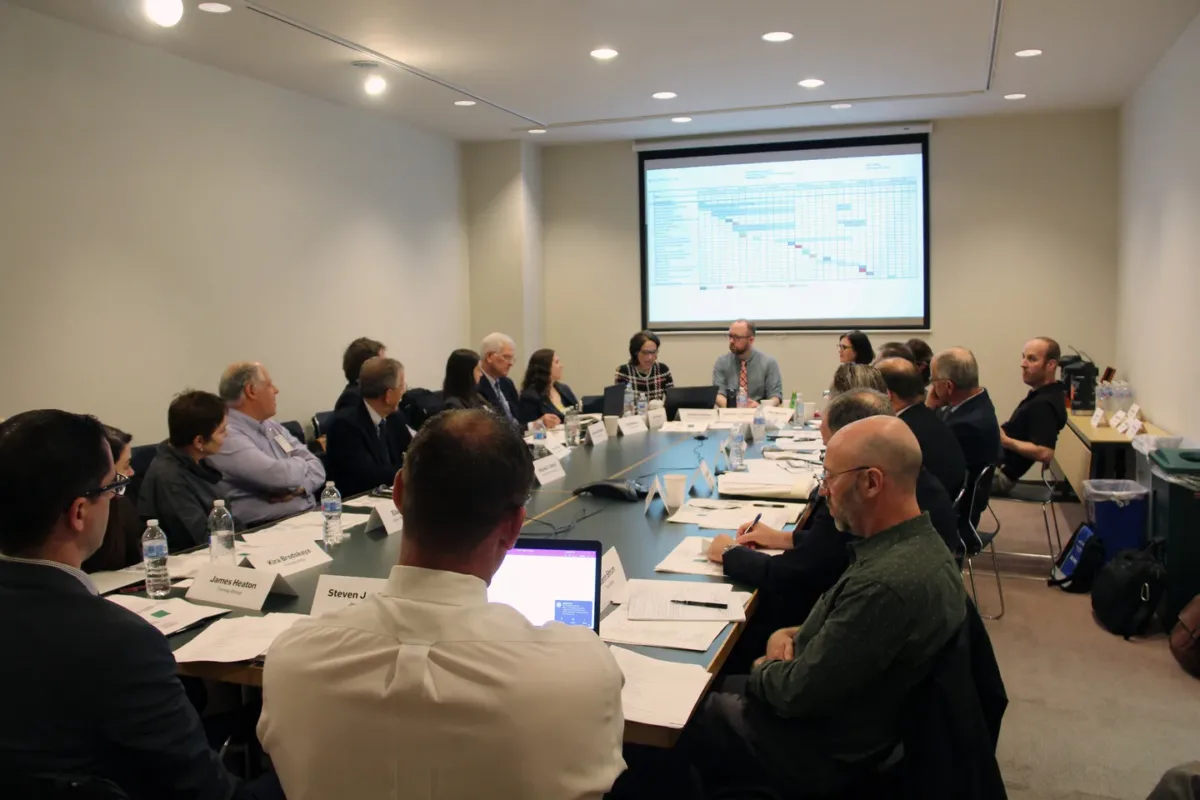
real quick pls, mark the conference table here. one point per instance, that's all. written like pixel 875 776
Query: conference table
pixel 642 539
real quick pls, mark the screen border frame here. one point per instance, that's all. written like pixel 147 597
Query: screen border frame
pixel 536 543
pixel 739 149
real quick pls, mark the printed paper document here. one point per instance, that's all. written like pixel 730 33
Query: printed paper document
pixel 659 692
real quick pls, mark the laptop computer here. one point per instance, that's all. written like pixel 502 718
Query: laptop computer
pixel 548 580
pixel 614 400
pixel 689 397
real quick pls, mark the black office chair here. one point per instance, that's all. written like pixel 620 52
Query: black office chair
pixel 295 429
pixel 140 458
pixel 1044 496
pixel 975 541
pixel 59 787
pixel 320 423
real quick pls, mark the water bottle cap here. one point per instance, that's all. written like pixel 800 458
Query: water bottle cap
pixel 153 523
pixel 218 503
pixel 328 484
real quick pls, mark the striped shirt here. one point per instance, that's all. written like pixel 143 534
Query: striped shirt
pixel 654 384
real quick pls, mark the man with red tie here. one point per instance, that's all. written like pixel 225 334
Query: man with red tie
pixel 744 368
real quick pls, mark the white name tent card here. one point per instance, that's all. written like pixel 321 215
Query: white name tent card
pixel 736 414
pixel 287 560
pixel 706 473
pixel 1134 411
pixel 239 587
pixel 655 489
pixel 631 425
pixel 702 416
pixel 558 449
pixel 778 415
pixel 684 427
pixel 656 418
pixel 1116 419
pixel 340 591
pixel 1098 419
pixel 613 584
pixel 596 433
pixel 1133 426
pixel 548 470
pixel 386 516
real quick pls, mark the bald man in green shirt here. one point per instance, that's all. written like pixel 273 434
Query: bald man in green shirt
pixel 824 703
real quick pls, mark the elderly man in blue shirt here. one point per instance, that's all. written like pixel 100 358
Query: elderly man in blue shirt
pixel 268 473
pixel 743 367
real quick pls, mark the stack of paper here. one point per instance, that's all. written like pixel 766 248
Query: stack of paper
pixel 236 639
pixel 617 627
pixel 690 558
pixel 800 445
pixel 169 616
pixel 765 478
pixel 659 692
pixel 106 582
pixel 665 600
pixel 685 427
pixel 310 526
pixel 725 515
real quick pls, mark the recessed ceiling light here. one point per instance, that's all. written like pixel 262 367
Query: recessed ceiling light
pixel 664 95
pixel 1015 96
pixel 375 85
pixel 604 53
pixel 464 103
pixel 537 130
pixel 812 83
pixel 777 36
pixel 215 8
pixel 681 119
pixel 165 13
pixel 840 106
pixel 1028 53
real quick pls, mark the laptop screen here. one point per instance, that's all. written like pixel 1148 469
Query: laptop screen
pixel 551 581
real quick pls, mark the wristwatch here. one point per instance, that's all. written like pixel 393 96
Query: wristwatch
pixel 729 547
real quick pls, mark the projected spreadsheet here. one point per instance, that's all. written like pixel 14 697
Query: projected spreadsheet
pixel 784 234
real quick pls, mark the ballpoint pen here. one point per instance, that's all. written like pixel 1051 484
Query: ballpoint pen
pixel 752 524
pixel 700 604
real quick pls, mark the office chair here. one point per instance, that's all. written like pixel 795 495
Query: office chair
pixel 295 429
pixel 978 541
pixel 320 423
pixel 1044 496
pixel 140 458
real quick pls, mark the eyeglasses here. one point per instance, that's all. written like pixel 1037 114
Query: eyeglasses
pixel 648 352
pixel 117 487
pixel 824 476
pixel 735 337
pixel 844 347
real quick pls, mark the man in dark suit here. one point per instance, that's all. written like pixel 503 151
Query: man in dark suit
pixel 497 354
pixel 361 452
pixel 965 407
pixel 941 454
pixel 104 700
pixel 353 359
pixel 816 553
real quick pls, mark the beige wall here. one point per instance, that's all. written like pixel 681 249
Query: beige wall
pixel 159 219
pixel 1159 300
pixel 502 194
pixel 1024 237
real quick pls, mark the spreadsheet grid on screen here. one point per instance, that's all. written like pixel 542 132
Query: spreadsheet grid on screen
pixel 548 585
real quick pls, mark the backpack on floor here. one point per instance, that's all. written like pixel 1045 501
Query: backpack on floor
pixel 1185 638
pixel 1128 591
pixel 1079 563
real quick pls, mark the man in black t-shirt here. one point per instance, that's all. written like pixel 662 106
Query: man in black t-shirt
pixel 1032 431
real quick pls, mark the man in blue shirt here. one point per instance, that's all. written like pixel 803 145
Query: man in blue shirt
pixel 269 474
pixel 743 367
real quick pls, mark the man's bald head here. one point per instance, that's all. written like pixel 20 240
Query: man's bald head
pixel 882 442
pixel 957 365
pixel 903 379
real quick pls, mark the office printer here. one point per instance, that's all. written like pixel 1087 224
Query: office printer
pixel 1079 375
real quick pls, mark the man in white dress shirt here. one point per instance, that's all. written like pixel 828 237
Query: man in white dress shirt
pixel 427 690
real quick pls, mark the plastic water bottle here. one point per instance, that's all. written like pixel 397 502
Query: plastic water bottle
pixel 641 404
pixel 331 509
pixel 220 536
pixel 539 440
pixel 759 427
pixel 798 417
pixel 737 451
pixel 627 408
pixel 743 399
pixel 571 424
pixel 154 554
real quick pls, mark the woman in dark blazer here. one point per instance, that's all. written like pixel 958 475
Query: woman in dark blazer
pixel 543 396
pixel 855 348
pixel 460 387
pixel 122 546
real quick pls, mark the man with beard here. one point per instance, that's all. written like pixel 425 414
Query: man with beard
pixel 744 368
pixel 823 705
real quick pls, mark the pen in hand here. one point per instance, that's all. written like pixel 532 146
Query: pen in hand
pixel 757 517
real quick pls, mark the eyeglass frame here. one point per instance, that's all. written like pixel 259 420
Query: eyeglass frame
pixel 738 338
pixel 117 487
pixel 825 475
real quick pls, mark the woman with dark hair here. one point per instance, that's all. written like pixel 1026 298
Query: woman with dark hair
pixel 855 348
pixel 922 356
pixel 181 485
pixel 122 546
pixel 643 370
pixel 857 376
pixel 460 387
pixel 543 396
pixel 895 350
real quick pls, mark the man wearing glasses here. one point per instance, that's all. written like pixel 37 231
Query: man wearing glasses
pixel 965 407
pixel 825 703
pixel 744 368
pixel 104 700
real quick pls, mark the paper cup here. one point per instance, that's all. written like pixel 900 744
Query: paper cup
pixel 810 410
pixel 676 489
pixel 610 424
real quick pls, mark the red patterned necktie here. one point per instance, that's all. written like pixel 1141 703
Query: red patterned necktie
pixel 742 384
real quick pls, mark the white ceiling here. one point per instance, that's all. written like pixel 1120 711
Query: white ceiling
pixel 527 62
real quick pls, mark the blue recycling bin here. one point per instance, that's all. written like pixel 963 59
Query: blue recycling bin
pixel 1117 512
